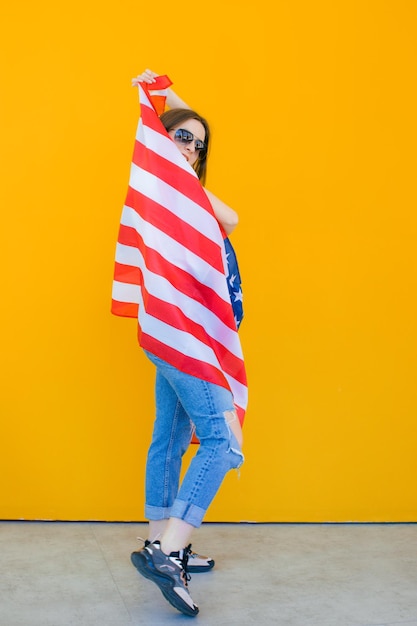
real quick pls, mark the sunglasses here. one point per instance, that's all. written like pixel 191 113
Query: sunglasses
pixel 185 136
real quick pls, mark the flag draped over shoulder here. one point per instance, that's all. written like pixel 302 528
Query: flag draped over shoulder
pixel 170 263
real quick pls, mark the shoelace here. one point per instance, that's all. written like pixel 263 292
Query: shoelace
pixel 184 563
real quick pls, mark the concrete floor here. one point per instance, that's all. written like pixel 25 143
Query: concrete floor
pixel 79 574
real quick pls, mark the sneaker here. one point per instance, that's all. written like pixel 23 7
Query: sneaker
pixel 197 563
pixel 168 572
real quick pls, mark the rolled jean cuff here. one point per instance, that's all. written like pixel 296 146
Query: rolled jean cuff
pixel 189 513
pixel 156 513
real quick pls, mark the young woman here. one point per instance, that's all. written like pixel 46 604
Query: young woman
pixel 185 403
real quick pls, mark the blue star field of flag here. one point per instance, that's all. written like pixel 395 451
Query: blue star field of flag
pixel 234 282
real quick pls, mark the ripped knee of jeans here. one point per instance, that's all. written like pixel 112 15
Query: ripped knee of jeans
pixel 235 433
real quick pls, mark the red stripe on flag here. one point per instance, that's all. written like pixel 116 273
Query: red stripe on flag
pixel 124 309
pixel 185 363
pixel 127 274
pixel 149 119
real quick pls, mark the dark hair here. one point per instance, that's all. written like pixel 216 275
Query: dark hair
pixel 173 118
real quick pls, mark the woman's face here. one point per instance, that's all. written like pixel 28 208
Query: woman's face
pixel 188 148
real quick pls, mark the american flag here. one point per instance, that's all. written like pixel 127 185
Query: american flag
pixel 170 267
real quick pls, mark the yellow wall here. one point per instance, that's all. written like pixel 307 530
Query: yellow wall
pixel 313 110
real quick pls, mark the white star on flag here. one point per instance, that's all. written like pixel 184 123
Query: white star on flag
pixel 238 296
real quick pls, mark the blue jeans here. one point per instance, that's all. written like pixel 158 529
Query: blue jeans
pixel 185 403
